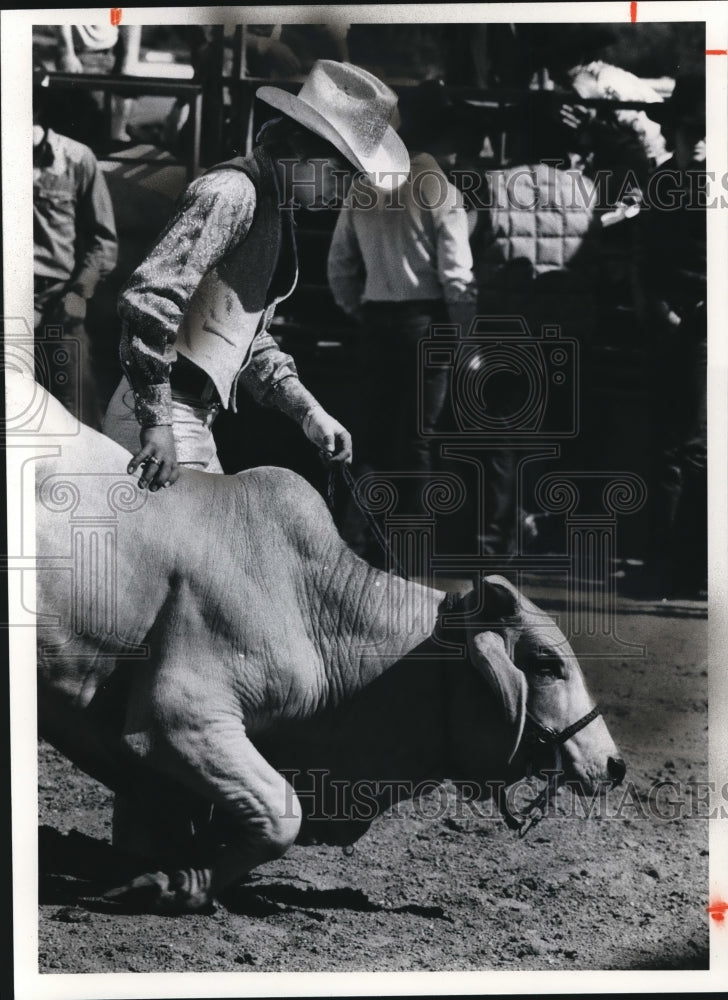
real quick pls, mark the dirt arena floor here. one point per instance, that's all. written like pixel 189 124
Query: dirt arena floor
pixel 443 885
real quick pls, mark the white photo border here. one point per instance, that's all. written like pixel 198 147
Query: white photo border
pixel 15 60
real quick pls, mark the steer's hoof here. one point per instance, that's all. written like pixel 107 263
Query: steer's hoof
pixel 157 892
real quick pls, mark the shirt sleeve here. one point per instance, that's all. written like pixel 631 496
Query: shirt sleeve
pixel 267 369
pixel 454 256
pixel 213 215
pixel 95 221
pixel 345 265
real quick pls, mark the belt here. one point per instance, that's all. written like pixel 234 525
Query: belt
pixel 187 379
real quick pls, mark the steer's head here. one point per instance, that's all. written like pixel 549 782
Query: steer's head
pixel 533 672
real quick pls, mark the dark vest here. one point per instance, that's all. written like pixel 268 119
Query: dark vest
pixel 237 297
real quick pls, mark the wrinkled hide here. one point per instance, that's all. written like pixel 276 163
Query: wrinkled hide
pixel 211 648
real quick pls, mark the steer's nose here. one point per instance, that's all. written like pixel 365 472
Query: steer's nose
pixel 617 769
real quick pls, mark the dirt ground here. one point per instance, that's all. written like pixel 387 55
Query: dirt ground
pixel 443 885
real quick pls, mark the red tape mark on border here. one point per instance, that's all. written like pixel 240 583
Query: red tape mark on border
pixel 717 911
pixel 633 12
pixel 115 16
pixel 716 52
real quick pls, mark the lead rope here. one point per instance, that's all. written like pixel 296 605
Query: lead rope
pixel 537 809
pixel 371 520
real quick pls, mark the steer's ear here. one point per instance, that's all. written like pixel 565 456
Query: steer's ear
pixel 499 599
pixel 489 657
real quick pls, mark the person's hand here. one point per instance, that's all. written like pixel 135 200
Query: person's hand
pixel 330 437
pixel 157 457
pixel 174 123
pixel 73 306
pixel 575 116
pixel 68 62
pixel 667 315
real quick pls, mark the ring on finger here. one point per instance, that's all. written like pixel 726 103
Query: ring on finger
pixel 154 460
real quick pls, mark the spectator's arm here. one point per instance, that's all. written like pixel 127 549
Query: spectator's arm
pixel 651 279
pixel 345 265
pixel 338 33
pixel 212 216
pixel 128 62
pixel 96 228
pixel 279 57
pixel 455 259
pixel 68 61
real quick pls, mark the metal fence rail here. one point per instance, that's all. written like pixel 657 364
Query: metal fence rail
pixel 142 86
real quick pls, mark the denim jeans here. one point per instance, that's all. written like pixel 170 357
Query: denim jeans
pixel 191 427
pixel 63 356
pixel 398 406
pixel 680 503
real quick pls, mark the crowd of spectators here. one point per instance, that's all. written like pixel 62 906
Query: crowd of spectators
pixel 549 213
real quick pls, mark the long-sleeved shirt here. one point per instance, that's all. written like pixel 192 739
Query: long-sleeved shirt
pixel 74 231
pixel 212 216
pixel 410 244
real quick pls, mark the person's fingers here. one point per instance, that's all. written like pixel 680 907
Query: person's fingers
pixel 151 467
pixel 167 476
pixel 344 451
pixel 139 458
pixel 146 473
pixel 161 477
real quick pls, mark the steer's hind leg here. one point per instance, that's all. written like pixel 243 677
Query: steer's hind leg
pixel 263 812
pixel 213 758
pixel 185 723
pixel 161 833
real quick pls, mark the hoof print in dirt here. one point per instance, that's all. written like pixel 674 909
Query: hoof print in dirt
pixel 72 915
pixel 247 958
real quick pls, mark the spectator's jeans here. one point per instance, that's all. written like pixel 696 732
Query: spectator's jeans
pixel 63 355
pixel 401 401
pixel 679 543
pixel 399 404
pixel 191 427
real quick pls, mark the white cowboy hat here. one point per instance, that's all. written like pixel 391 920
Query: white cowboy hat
pixel 351 109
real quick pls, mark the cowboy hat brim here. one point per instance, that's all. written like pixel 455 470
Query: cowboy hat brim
pixel 386 169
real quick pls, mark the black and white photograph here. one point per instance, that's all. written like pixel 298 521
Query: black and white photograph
pixel 366 491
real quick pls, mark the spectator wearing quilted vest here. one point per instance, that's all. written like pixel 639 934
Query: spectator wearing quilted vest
pixel 529 239
pixel 195 314
pixel 529 251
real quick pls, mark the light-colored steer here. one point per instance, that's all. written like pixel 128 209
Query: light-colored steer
pixel 210 638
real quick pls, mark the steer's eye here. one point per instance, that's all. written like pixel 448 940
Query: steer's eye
pixel 547 667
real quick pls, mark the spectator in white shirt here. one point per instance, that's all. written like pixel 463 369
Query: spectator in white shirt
pixel 398 263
